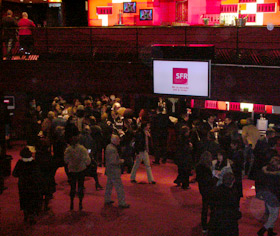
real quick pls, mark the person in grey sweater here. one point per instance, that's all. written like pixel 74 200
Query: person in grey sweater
pixel 77 158
pixel 113 172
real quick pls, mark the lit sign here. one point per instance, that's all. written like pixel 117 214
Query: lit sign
pixel 53 1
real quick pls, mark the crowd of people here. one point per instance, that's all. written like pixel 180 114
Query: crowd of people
pixel 86 134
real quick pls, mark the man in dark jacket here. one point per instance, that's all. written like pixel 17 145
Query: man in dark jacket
pixel 10 33
pixel 142 153
pixel 206 184
pixel 224 218
pixel 159 128
pixel 270 193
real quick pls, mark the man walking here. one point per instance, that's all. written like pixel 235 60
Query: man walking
pixel 113 172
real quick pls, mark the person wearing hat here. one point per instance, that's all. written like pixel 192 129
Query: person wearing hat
pixel 29 185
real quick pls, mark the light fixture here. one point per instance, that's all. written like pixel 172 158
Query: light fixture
pixel 247 107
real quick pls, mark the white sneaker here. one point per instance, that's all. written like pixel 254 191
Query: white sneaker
pixel 204 231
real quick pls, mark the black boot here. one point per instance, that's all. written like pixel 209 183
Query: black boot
pixel 46 204
pixel 98 186
pixel 81 204
pixel 262 231
pixel 270 232
pixel 72 204
pixel 25 216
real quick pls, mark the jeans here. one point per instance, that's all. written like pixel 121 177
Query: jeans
pixel 10 43
pixel 142 156
pixel 117 183
pixel 77 177
pixel 272 217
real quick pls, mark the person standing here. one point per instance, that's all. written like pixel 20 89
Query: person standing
pixel 225 214
pixel 184 158
pixel 29 185
pixel 9 25
pixel 113 172
pixel 25 34
pixel 270 193
pixel 250 137
pixel 160 125
pixel 77 158
pixel 206 185
pixel 88 142
pixel 142 153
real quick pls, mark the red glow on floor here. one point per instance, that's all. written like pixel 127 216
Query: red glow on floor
pixel 157 210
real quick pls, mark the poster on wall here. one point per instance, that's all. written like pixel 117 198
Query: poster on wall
pixel 129 7
pixel 178 77
pixel 146 14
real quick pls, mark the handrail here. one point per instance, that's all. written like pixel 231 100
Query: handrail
pixel 135 41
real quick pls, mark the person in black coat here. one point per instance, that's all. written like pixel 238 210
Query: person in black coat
pixel 183 157
pixel 29 185
pixel 207 126
pixel 263 153
pixel 270 193
pixel 236 156
pixel 159 129
pixel 89 143
pixel 44 160
pixel 127 148
pixel 225 215
pixel 206 183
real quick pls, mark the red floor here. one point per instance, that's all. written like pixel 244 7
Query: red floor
pixel 156 210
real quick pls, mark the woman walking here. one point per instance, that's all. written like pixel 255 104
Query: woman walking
pixel 77 159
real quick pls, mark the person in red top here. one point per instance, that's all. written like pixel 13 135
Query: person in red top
pixel 25 34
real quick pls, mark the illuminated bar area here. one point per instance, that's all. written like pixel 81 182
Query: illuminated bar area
pixel 89 59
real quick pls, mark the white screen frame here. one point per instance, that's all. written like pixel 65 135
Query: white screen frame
pixel 168 64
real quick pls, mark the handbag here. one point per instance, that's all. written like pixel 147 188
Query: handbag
pixel 91 168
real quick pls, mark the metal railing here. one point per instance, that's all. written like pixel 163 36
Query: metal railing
pixel 233 45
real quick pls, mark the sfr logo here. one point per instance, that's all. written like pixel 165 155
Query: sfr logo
pixel 180 76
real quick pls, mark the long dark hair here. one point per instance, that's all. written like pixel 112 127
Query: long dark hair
pixel 206 159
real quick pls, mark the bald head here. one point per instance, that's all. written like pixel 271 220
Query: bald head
pixel 115 139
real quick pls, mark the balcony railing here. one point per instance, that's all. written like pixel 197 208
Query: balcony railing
pixel 233 45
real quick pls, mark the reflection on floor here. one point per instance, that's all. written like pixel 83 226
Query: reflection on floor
pixel 156 210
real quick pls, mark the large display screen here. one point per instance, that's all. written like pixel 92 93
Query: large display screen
pixel 188 78
pixel 129 7
pixel 146 14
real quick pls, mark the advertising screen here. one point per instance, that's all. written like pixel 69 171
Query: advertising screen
pixel 189 78
pixel 129 7
pixel 146 14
